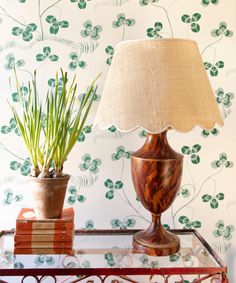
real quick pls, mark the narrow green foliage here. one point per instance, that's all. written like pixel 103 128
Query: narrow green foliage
pixel 49 145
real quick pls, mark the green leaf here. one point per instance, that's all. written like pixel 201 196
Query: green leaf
pixel 220 196
pixel 108 183
pixel 82 64
pixel 196 17
pixel 229 164
pixel 27 36
pixel 214 203
pixel 73 65
pixel 109 50
pixel 196 148
pixel 71 199
pixel 14 165
pixel 81 137
pixel 64 24
pixel 53 58
pixel 143 2
pixel 51 19
pixel 196 224
pixel 110 194
pixel 174 257
pixel 130 22
pixel 89 225
pixel 72 190
pixel 115 223
pixel 158 26
pixel 82 4
pixel 5 130
pixel 220 64
pixel 207 65
pixel 118 185
pixel 195 27
pixel 15 97
pixel 40 57
pixel 47 50
pixel 16 31
pixel 213 71
pixel 12 123
pixel 206 198
pixel 130 222
pixel 54 28
pixel 183 219
pixel 186 150
pixel 31 27
pixel 186 18
pixel 195 158
pixel 81 198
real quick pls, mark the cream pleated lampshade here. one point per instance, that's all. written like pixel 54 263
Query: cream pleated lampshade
pixel 156 84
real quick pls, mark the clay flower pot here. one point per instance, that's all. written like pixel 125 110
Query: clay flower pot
pixel 48 196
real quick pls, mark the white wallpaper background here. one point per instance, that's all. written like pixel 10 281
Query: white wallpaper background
pixel 80 36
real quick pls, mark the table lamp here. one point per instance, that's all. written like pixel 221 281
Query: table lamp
pixel 157 84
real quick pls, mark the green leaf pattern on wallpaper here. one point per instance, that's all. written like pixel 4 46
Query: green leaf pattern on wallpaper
pixel 76 35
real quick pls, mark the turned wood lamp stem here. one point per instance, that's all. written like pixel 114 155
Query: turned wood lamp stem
pixel 156 173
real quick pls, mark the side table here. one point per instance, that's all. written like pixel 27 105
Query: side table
pixel 107 256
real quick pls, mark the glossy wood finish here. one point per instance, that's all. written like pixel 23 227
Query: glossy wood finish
pixel 156 173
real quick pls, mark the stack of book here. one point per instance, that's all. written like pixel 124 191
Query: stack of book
pixel 48 236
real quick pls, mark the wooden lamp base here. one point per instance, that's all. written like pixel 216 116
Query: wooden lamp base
pixel 156 241
pixel 156 173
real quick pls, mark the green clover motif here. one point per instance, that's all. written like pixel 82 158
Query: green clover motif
pixel 112 129
pixel 213 68
pixel 75 62
pixel 10 198
pixel 25 166
pixel 195 27
pixel 185 192
pixel 154 32
pixel 206 133
pixel 223 230
pixel 41 259
pixel 119 224
pixel 174 257
pixel 148 263
pixel 146 2
pixel 222 30
pixel 195 158
pixel 12 127
pixel 75 196
pixel 222 162
pixel 13 63
pixel 81 3
pixel 110 51
pixel 96 97
pixel 18 265
pixel 120 152
pixel 55 25
pixel 26 32
pixel 52 84
pixel 213 200
pixel 207 2
pixel 112 187
pixel 90 164
pixel 46 54
pixel 91 31
pixel 224 98
pixel 189 224
pixel 86 130
pixel 122 21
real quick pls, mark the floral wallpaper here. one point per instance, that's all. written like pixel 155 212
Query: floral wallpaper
pixel 80 36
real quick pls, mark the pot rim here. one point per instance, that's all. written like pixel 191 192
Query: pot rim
pixel 42 180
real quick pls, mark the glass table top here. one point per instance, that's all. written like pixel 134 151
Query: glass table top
pixel 109 249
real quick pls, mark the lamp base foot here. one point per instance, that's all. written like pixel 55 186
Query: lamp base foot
pixel 168 245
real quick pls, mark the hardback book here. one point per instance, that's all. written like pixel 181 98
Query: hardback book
pixel 26 220
pixel 44 232
pixel 43 251
pixel 45 237
pixel 44 245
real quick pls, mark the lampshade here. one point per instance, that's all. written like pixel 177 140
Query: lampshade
pixel 157 84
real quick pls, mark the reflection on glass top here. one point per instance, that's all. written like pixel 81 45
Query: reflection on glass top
pixel 108 251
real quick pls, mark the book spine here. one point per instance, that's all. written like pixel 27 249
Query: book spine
pixel 44 245
pixel 44 232
pixel 26 225
pixel 43 251
pixel 43 237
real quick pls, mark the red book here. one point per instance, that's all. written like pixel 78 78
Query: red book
pixel 26 220
pixel 43 251
pixel 44 245
pixel 66 237
pixel 22 233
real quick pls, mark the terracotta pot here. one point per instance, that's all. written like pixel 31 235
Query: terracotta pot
pixel 48 196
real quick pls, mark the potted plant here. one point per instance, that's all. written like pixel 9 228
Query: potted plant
pixel 50 142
